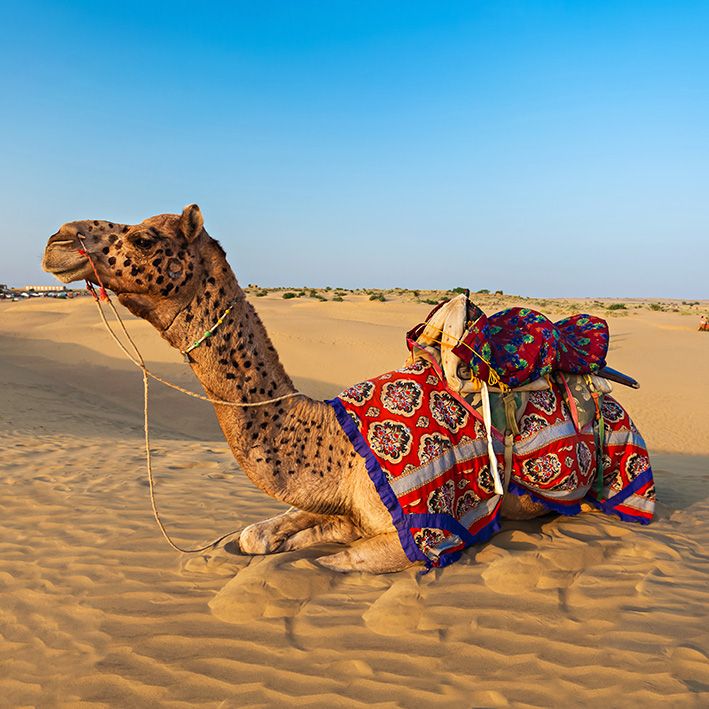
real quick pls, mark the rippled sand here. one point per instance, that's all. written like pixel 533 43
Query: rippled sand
pixel 98 611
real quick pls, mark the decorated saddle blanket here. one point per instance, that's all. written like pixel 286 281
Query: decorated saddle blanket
pixel 425 449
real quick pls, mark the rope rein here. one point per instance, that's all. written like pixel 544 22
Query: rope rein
pixel 139 362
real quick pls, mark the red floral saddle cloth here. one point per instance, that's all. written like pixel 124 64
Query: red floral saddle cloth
pixel 426 452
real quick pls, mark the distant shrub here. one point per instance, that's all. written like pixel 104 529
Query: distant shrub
pixel 655 306
pixel 483 291
pixel 499 292
pixel 430 301
pixel 288 295
pixel 460 290
pixel 261 293
pixel 378 296
pixel 338 298
pixel 617 306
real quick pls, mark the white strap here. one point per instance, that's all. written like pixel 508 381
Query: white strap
pixel 487 420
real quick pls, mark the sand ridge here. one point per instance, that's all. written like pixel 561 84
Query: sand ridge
pixel 98 611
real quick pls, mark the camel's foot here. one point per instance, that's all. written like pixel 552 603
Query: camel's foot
pixel 295 529
pixel 377 555
pixel 266 537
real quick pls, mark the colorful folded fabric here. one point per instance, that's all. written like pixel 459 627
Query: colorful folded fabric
pixel 521 345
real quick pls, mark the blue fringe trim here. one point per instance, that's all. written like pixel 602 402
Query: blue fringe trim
pixel 451 524
pixel 608 506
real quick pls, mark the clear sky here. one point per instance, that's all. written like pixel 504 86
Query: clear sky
pixel 545 148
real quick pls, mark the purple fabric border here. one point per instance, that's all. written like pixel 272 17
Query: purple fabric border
pixel 609 505
pixel 378 477
pixel 451 524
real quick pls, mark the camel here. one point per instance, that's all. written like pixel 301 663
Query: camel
pixel 169 271
pixel 704 324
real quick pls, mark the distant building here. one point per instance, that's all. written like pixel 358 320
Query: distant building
pixel 45 289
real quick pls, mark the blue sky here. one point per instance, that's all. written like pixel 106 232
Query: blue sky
pixel 545 148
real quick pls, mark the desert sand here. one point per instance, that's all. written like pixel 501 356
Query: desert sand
pixel 98 611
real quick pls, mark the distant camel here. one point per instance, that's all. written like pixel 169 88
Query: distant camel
pixel 704 324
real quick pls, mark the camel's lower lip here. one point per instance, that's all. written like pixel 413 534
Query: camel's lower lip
pixel 65 264
pixel 64 271
pixel 68 275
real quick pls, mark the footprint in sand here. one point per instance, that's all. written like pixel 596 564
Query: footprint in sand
pixel 271 587
pixel 509 574
pixel 397 610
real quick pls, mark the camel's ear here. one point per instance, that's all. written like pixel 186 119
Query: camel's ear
pixel 191 222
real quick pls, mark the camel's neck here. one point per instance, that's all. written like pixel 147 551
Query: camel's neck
pixel 275 444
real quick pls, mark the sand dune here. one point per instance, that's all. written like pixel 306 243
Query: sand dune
pixel 98 611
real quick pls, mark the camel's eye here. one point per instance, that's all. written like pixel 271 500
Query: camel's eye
pixel 142 243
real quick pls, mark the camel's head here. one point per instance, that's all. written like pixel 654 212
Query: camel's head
pixel 153 266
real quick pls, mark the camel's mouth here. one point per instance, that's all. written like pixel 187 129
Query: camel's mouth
pixel 63 260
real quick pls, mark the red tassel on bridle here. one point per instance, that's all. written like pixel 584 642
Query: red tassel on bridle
pixel 102 294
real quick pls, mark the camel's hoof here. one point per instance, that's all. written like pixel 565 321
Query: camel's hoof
pixel 253 540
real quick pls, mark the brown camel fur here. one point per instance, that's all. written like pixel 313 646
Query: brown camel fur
pixel 169 271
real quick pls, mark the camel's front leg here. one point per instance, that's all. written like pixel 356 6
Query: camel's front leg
pixel 332 529
pixel 267 536
pixel 377 555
